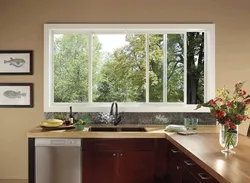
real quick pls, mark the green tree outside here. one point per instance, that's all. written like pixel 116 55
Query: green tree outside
pixel 121 75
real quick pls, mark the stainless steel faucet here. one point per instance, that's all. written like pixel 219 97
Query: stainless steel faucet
pixel 117 117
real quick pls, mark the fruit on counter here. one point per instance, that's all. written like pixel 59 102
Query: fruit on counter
pixel 52 122
pixel 80 122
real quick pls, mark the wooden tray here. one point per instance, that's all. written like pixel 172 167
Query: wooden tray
pixel 62 127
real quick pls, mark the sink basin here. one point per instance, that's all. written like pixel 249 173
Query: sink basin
pixel 117 129
pixel 132 129
pixel 102 129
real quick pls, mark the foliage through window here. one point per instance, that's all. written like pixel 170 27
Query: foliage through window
pixel 135 66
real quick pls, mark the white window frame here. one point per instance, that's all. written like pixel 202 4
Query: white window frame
pixel 209 66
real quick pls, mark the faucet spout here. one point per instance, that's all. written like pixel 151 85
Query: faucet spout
pixel 117 119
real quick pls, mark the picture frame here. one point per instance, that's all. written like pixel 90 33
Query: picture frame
pixel 16 62
pixel 16 95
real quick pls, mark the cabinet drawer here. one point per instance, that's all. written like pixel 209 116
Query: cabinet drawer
pixel 203 176
pixel 199 173
pixel 175 152
pixel 118 144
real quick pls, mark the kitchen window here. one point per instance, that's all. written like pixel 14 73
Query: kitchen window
pixel 143 67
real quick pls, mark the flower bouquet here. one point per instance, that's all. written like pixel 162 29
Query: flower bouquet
pixel 229 111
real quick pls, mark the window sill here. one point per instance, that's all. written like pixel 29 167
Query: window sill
pixel 122 107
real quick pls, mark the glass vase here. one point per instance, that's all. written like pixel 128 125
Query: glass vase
pixel 228 139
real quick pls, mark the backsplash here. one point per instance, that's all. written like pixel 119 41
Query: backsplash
pixel 141 118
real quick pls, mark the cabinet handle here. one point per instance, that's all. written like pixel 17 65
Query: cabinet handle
pixel 175 151
pixel 189 163
pixel 114 154
pixel 204 176
pixel 121 154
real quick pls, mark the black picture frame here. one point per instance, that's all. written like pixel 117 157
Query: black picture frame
pixel 14 62
pixel 16 95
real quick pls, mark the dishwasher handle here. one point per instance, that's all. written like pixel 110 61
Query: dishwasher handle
pixel 60 142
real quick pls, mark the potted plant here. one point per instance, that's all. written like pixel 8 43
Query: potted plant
pixel 79 125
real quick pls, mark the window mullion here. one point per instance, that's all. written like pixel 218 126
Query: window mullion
pixel 147 69
pixel 206 70
pixel 52 71
pixel 185 68
pixel 90 63
pixel 165 70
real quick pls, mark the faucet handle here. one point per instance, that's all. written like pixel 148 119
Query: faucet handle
pixel 111 110
pixel 116 109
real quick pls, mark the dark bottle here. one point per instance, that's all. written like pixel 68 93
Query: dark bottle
pixel 71 118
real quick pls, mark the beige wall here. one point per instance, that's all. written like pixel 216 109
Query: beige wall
pixel 21 27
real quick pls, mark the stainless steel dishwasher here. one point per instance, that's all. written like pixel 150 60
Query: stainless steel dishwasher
pixel 58 160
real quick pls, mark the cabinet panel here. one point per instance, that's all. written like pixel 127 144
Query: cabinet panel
pixel 136 167
pixel 174 170
pixel 118 144
pixel 188 177
pixel 99 166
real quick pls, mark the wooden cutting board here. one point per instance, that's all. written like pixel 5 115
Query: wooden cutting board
pixel 62 127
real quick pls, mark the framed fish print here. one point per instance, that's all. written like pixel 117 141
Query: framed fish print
pixel 16 95
pixel 16 62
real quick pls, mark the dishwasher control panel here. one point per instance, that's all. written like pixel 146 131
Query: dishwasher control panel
pixel 57 142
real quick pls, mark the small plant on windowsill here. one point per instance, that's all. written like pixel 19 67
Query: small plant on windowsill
pixel 229 111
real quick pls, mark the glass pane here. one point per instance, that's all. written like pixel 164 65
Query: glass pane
pixel 156 68
pixel 175 67
pixel 71 67
pixel 195 67
pixel 120 75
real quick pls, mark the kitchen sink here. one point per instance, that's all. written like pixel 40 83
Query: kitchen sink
pixel 117 129
pixel 132 129
pixel 102 129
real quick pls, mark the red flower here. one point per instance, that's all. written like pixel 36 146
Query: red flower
pixel 242 92
pixel 230 124
pixel 230 104
pixel 237 84
pixel 247 101
pixel 212 101
pixel 219 114
pixel 238 117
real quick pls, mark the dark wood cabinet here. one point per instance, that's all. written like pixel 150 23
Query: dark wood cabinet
pixel 188 177
pixel 181 169
pixel 118 161
pixel 135 167
pixel 174 171
pixel 99 166
pixel 138 161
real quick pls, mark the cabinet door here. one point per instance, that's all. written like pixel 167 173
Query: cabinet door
pixel 99 166
pixel 135 167
pixel 174 170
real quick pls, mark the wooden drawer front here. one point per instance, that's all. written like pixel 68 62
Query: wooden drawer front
pixel 138 144
pixel 175 152
pixel 197 171
pixel 203 176
pixel 103 144
pixel 118 144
